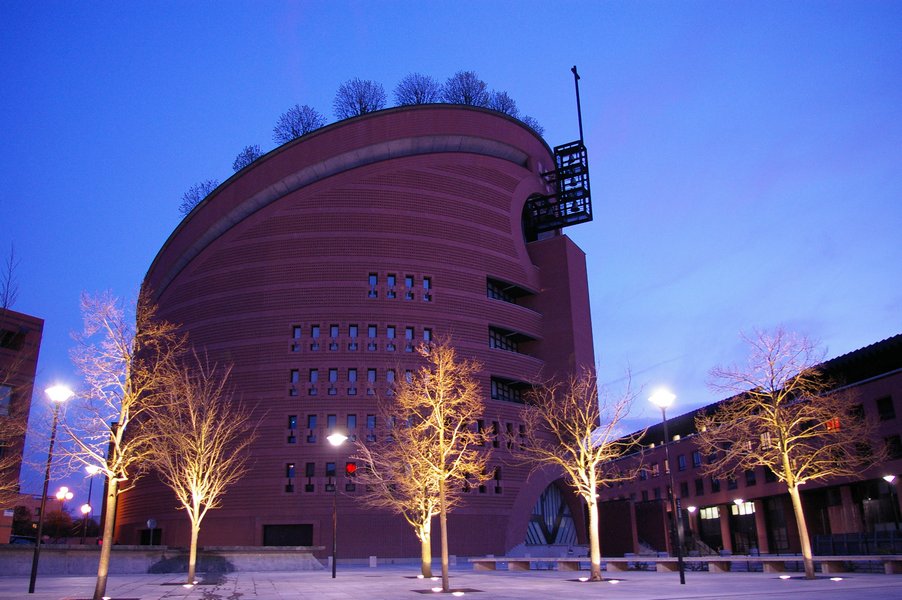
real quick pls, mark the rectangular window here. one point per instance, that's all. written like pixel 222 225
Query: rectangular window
pixel 373 279
pixel 294 376
pixel 331 421
pixel 656 470
pixel 715 485
pixel 392 281
pixel 408 336
pixel 333 331
pixel 408 375
pixel 427 335
pixel 893 446
pixel 390 376
pixel 352 331
pixel 390 332
pixel 681 462
pixel 289 470
pixel 310 469
pixel 371 421
pixel 684 489
pixel 372 331
pixel 314 376
pixel 296 332
pixel 314 331
pixel 330 469
pixel 333 375
pixel 750 477
pixel 699 487
pixel 408 285
pixel 696 459
pixel 352 423
pixel 503 340
pixel 711 512
pixel 292 421
pixel 311 422
pixel 352 375
pixel 371 375
pixel 427 283
pixel 885 409
pixel 769 475
pixel 643 474
pixel 732 484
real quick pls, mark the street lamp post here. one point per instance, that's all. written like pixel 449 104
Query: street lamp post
pixel 336 439
pixel 86 508
pixel 891 480
pixel 57 394
pixel 662 399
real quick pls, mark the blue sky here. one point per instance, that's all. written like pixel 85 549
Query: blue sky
pixel 746 157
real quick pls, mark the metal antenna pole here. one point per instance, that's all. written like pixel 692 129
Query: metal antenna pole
pixel 579 112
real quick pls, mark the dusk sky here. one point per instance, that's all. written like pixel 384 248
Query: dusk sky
pixel 745 157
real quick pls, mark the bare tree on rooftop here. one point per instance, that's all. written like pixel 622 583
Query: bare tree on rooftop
pixel 196 194
pixel 357 97
pixel 202 435
pixel 568 426
pixel 416 88
pixel 533 124
pixel 248 155
pixel 501 102
pixel 13 419
pixel 297 121
pixel 125 363
pixel 786 416
pixel 465 87
pixel 9 286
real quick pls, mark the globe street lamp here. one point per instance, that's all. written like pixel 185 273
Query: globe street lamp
pixel 64 495
pixel 663 399
pixel 336 439
pixel 86 508
pixel 57 394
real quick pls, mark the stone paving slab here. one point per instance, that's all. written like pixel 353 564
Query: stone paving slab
pixel 391 583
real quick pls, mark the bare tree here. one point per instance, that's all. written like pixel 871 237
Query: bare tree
pixel 465 87
pixel 418 89
pixel 124 363
pixel 784 417
pixel 357 97
pixel 12 433
pixel 396 478
pixel 569 427
pixel 533 124
pixel 248 155
pixel 202 434
pixel 9 286
pixel 438 406
pixel 297 121
pixel 196 194
pixel 501 102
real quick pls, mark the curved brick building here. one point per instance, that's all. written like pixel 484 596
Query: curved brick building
pixel 318 268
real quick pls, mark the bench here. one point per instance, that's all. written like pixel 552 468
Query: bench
pixel 524 563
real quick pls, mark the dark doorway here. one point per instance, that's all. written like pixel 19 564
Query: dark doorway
pixel 151 537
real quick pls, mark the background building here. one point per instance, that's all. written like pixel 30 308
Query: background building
pixel 317 270
pixel 20 342
pixel 844 516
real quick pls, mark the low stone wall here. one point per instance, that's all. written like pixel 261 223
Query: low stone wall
pixel 16 559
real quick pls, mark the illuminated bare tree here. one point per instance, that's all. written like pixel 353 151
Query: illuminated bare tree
pixel 297 121
pixel 13 418
pixel 436 410
pixel 395 478
pixel 125 362
pixel 357 97
pixel 196 194
pixel 248 155
pixel 784 417
pixel 570 427
pixel 202 434
pixel 418 89
pixel 465 87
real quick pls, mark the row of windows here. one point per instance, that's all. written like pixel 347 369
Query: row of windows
pixel 352 335
pixel 351 378
pixel 392 290
pixel 312 421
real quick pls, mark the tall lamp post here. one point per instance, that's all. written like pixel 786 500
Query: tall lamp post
pixel 663 399
pixel 57 394
pixel 891 480
pixel 86 508
pixel 336 439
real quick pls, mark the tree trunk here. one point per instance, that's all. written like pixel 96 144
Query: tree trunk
pixel 594 546
pixel 796 498
pixel 192 553
pixel 106 545
pixel 443 522
pixel 425 536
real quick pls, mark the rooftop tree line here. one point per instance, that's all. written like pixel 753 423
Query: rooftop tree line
pixel 357 97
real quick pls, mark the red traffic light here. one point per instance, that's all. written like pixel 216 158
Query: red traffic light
pixel 350 469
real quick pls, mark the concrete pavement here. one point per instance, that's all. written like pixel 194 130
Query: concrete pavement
pixel 398 582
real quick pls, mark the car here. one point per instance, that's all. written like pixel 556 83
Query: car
pixel 21 539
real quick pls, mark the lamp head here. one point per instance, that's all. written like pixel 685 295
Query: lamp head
pixel 85 508
pixel 337 439
pixel 92 469
pixel 889 479
pixel 662 398
pixel 59 393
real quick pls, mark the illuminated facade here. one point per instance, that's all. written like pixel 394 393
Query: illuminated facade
pixel 753 513
pixel 317 270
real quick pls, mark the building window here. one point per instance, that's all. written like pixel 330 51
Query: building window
pixel 655 470
pixel 503 340
pixel 373 281
pixel 310 469
pixel 750 477
pixel 390 334
pixel 352 422
pixel 681 462
pixel 292 421
pixel 408 287
pixel 289 470
pixel 769 475
pixel 885 409
pixel 508 391
pixel 314 336
pixel 333 376
pixel 715 485
pixel 352 381
pixel 352 334
pixel 643 474
pixel 427 289
pixel 330 469
pixel 696 459
pixel 497 290
pixel 427 335
pixel 295 376
pixel 408 337
pixel 711 512
pixel 296 332
pixel 331 421
pixel 392 282
pixel 371 375
pixel 684 489
pixel 699 487
pixel 732 484
pixel 893 446
pixel 746 508
pixel 657 493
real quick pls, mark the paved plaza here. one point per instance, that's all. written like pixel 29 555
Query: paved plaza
pixel 391 582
